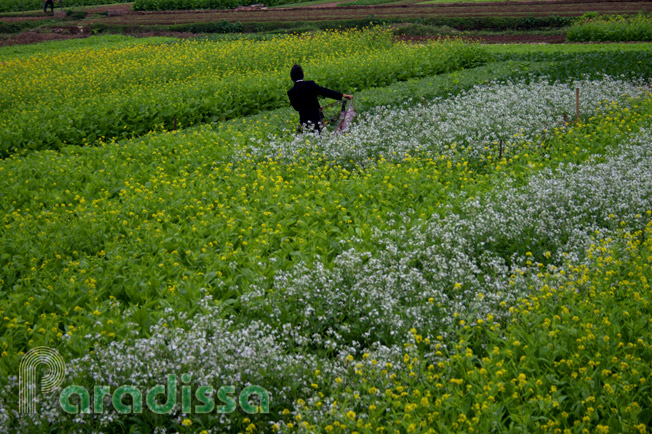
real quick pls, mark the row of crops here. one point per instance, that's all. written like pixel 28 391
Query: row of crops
pixel 137 88
pixel 466 258
pixel 593 27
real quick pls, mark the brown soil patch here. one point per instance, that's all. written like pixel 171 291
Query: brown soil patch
pixel 21 19
pixel 123 8
pixel 62 33
pixel 323 5
pixel 34 37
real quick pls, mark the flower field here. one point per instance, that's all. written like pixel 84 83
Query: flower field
pixel 125 91
pixel 468 257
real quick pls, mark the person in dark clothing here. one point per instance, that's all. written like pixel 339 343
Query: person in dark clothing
pixel 48 3
pixel 303 98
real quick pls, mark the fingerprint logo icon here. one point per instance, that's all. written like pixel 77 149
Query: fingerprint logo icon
pixel 55 369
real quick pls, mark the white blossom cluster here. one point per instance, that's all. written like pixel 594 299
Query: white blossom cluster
pixel 465 264
pixel 4 418
pixel 564 210
pixel 473 122
pixel 215 352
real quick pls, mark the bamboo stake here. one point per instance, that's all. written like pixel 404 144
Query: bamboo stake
pixel 577 104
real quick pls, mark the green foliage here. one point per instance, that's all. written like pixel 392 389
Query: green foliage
pixel 423 30
pixel 296 26
pixel 75 14
pixel 98 42
pixel 441 85
pixel 561 62
pixel 615 28
pixel 458 23
pixel 20 26
pixel 497 23
pixel 212 27
pixel 220 80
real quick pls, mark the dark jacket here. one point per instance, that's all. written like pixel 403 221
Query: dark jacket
pixel 303 97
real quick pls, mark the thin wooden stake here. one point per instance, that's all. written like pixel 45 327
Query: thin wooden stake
pixel 500 150
pixel 577 104
pixel 174 124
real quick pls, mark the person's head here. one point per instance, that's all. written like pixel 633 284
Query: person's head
pixel 296 73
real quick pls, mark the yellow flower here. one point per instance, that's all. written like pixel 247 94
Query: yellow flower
pixel 186 422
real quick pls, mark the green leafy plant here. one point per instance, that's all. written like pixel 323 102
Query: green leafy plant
pixel 611 28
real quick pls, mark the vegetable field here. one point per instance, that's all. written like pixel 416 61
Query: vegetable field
pixel 611 28
pixel 469 257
